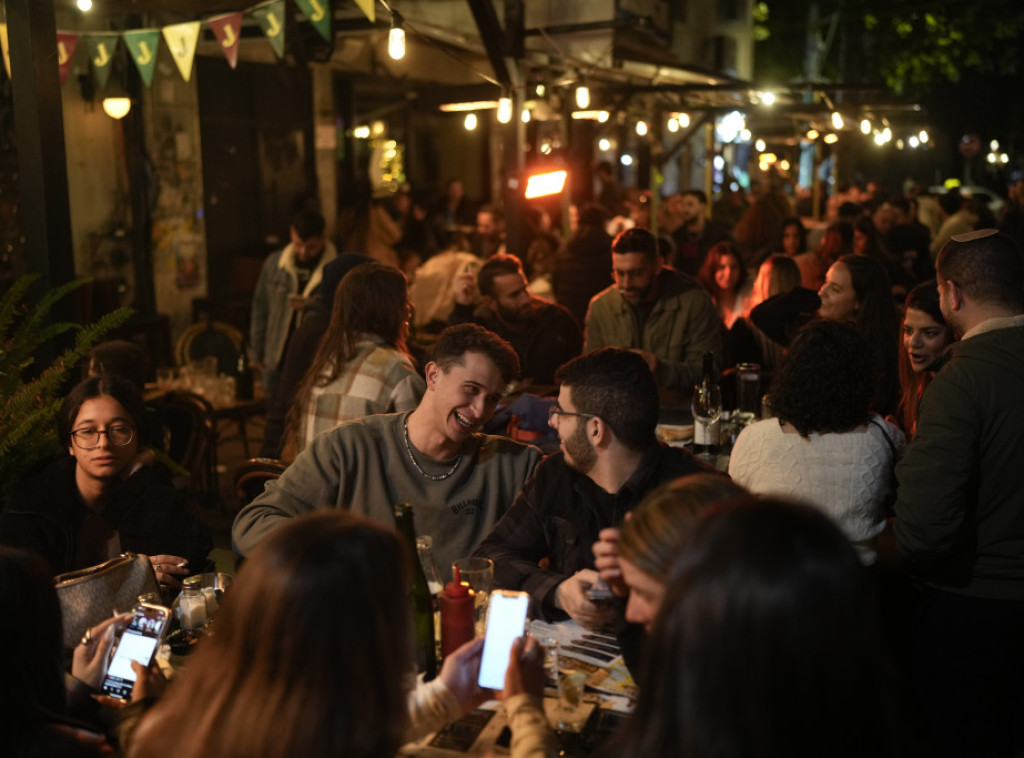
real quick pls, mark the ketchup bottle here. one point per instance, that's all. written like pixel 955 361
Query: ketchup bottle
pixel 458 614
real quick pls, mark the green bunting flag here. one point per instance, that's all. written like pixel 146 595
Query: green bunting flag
pixel 319 14
pixel 101 52
pixel 271 18
pixel 142 44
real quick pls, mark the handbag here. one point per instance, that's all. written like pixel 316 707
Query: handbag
pixel 88 596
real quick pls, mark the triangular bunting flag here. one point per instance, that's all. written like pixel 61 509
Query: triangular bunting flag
pixel 6 50
pixel 101 52
pixel 182 39
pixel 271 18
pixel 142 44
pixel 66 42
pixel 319 14
pixel 228 31
pixel 369 9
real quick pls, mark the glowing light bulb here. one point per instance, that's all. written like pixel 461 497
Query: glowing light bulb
pixel 470 122
pixel 505 110
pixel 396 43
pixel 583 97
pixel 641 128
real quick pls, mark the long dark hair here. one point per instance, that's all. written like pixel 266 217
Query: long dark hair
pixel 32 686
pixel 878 322
pixel 370 299
pixel 767 643
pixel 310 653
pixel 925 298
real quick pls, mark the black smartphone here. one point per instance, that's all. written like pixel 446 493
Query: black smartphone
pixel 138 642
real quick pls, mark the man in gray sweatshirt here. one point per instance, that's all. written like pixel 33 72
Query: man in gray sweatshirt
pixel 458 480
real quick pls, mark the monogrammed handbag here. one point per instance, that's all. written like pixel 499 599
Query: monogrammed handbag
pixel 90 595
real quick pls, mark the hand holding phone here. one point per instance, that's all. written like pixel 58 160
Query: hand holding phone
pixel 506 621
pixel 138 642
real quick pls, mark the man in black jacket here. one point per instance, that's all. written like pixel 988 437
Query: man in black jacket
pixel 606 414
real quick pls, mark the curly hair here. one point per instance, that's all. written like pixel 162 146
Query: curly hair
pixel 825 383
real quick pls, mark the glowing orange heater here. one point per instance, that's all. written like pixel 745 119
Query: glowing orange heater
pixel 541 185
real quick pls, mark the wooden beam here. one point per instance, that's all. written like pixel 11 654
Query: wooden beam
pixel 39 127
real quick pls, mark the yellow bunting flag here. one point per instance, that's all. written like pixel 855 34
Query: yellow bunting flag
pixel 101 52
pixel 369 9
pixel 228 31
pixel 142 44
pixel 6 49
pixel 271 18
pixel 66 42
pixel 182 39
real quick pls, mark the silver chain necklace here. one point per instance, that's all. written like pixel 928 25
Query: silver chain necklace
pixel 408 449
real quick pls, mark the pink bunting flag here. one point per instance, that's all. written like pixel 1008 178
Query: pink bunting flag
pixel 66 42
pixel 228 31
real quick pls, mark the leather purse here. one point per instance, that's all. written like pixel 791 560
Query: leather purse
pixel 88 596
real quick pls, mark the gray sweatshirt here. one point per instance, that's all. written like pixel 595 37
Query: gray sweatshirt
pixel 364 466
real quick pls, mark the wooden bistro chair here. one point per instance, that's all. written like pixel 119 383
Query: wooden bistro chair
pixel 253 475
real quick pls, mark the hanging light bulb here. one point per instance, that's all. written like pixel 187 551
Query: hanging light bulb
pixel 641 128
pixel 470 122
pixel 396 38
pixel 117 107
pixel 525 115
pixel 583 97
pixel 837 120
pixel 504 110
pixel 602 116
pixel 760 146
pixel 604 144
pixel 865 126
pixel 923 136
pixel 541 89
pixel 683 119
pixel 84 5
pixel 673 125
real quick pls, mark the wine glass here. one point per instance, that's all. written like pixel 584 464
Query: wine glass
pixel 706 406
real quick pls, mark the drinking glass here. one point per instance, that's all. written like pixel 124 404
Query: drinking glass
pixel 478 575
pixel 706 405
pixel 748 392
pixel 572 709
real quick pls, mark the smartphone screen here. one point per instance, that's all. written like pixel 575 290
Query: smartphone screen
pixel 138 643
pixel 506 620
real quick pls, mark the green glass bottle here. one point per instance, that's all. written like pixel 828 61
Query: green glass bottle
pixel 419 596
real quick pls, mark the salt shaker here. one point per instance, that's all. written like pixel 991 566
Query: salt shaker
pixel 191 604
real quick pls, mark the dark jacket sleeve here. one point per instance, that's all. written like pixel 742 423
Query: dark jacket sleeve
pixel 517 544
pixel 154 518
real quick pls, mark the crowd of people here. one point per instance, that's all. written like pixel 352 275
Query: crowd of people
pixel 853 585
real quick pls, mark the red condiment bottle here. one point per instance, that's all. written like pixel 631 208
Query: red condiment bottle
pixel 458 615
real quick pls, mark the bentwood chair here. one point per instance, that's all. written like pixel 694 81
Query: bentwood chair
pixel 211 338
pixel 253 475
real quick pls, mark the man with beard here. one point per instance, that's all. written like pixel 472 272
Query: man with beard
pixel 543 334
pixel 609 460
pixel 458 480
pixel 695 234
pixel 287 280
pixel 664 316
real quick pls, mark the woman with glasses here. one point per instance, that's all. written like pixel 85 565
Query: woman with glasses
pixel 105 495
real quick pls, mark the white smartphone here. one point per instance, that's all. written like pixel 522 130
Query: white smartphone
pixel 506 620
pixel 138 643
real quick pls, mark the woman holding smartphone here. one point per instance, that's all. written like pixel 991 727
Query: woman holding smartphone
pixel 105 495
pixel 290 673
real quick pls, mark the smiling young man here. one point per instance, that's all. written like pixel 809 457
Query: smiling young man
pixel 609 459
pixel 458 480
pixel 544 335
pixel 661 314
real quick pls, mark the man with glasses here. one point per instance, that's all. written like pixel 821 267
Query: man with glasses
pixel 286 282
pixel 609 459
pixel 664 316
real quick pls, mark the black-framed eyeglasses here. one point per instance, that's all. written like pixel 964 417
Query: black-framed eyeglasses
pixel 119 434
pixel 554 410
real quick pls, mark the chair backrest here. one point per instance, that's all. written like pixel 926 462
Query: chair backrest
pixel 188 430
pixel 253 475
pixel 211 338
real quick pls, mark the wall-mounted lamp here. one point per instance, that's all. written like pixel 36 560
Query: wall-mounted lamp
pixel 396 38
pixel 117 107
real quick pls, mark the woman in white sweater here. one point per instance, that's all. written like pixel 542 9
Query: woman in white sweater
pixel 825 445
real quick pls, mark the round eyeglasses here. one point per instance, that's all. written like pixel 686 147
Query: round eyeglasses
pixel 87 439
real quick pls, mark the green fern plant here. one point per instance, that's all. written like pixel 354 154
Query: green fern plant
pixel 28 409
